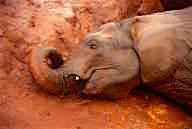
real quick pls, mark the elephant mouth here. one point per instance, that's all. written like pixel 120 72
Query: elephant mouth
pixel 73 82
pixel 79 82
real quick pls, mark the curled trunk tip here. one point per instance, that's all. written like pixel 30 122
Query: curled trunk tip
pixel 43 64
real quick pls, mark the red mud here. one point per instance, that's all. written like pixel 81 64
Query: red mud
pixel 24 24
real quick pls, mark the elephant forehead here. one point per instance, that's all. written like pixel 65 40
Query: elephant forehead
pixel 117 36
pixel 109 28
pixel 105 31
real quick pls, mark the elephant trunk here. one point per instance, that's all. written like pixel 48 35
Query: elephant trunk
pixel 46 68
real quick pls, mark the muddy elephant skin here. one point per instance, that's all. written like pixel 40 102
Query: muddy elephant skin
pixel 154 50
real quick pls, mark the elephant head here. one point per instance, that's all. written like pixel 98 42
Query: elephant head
pixel 118 57
pixel 104 64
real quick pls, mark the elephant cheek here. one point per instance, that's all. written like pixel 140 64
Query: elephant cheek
pixel 93 87
pixel 107 92
pixel 104 87
pixel 92 91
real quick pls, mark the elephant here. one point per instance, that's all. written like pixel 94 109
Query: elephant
pixel 152 50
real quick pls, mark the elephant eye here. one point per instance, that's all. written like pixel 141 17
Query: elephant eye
pixel 93 44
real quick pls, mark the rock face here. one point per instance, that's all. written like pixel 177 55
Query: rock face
pixel 24 24
pixel 65 22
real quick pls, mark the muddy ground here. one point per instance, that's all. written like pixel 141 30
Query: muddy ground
pixel 25 23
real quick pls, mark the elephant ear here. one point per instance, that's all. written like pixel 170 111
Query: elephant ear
pixel 162 41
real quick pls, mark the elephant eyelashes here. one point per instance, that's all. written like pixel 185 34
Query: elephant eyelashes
pixel 93 44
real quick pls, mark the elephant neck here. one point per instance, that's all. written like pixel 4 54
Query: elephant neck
pixel 178 85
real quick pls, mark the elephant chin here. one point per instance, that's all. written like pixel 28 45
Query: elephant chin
pixel 96 87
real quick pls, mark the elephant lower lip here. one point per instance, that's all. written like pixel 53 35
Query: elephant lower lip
pixel 76 83
pixel 79 82
pixel 74 76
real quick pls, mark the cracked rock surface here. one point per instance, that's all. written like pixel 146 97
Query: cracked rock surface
pixel 25 23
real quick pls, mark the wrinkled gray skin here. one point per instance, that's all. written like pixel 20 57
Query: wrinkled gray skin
pixel 154 50
pixel 106 58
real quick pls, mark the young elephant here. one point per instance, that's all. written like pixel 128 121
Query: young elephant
pixel 155 50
